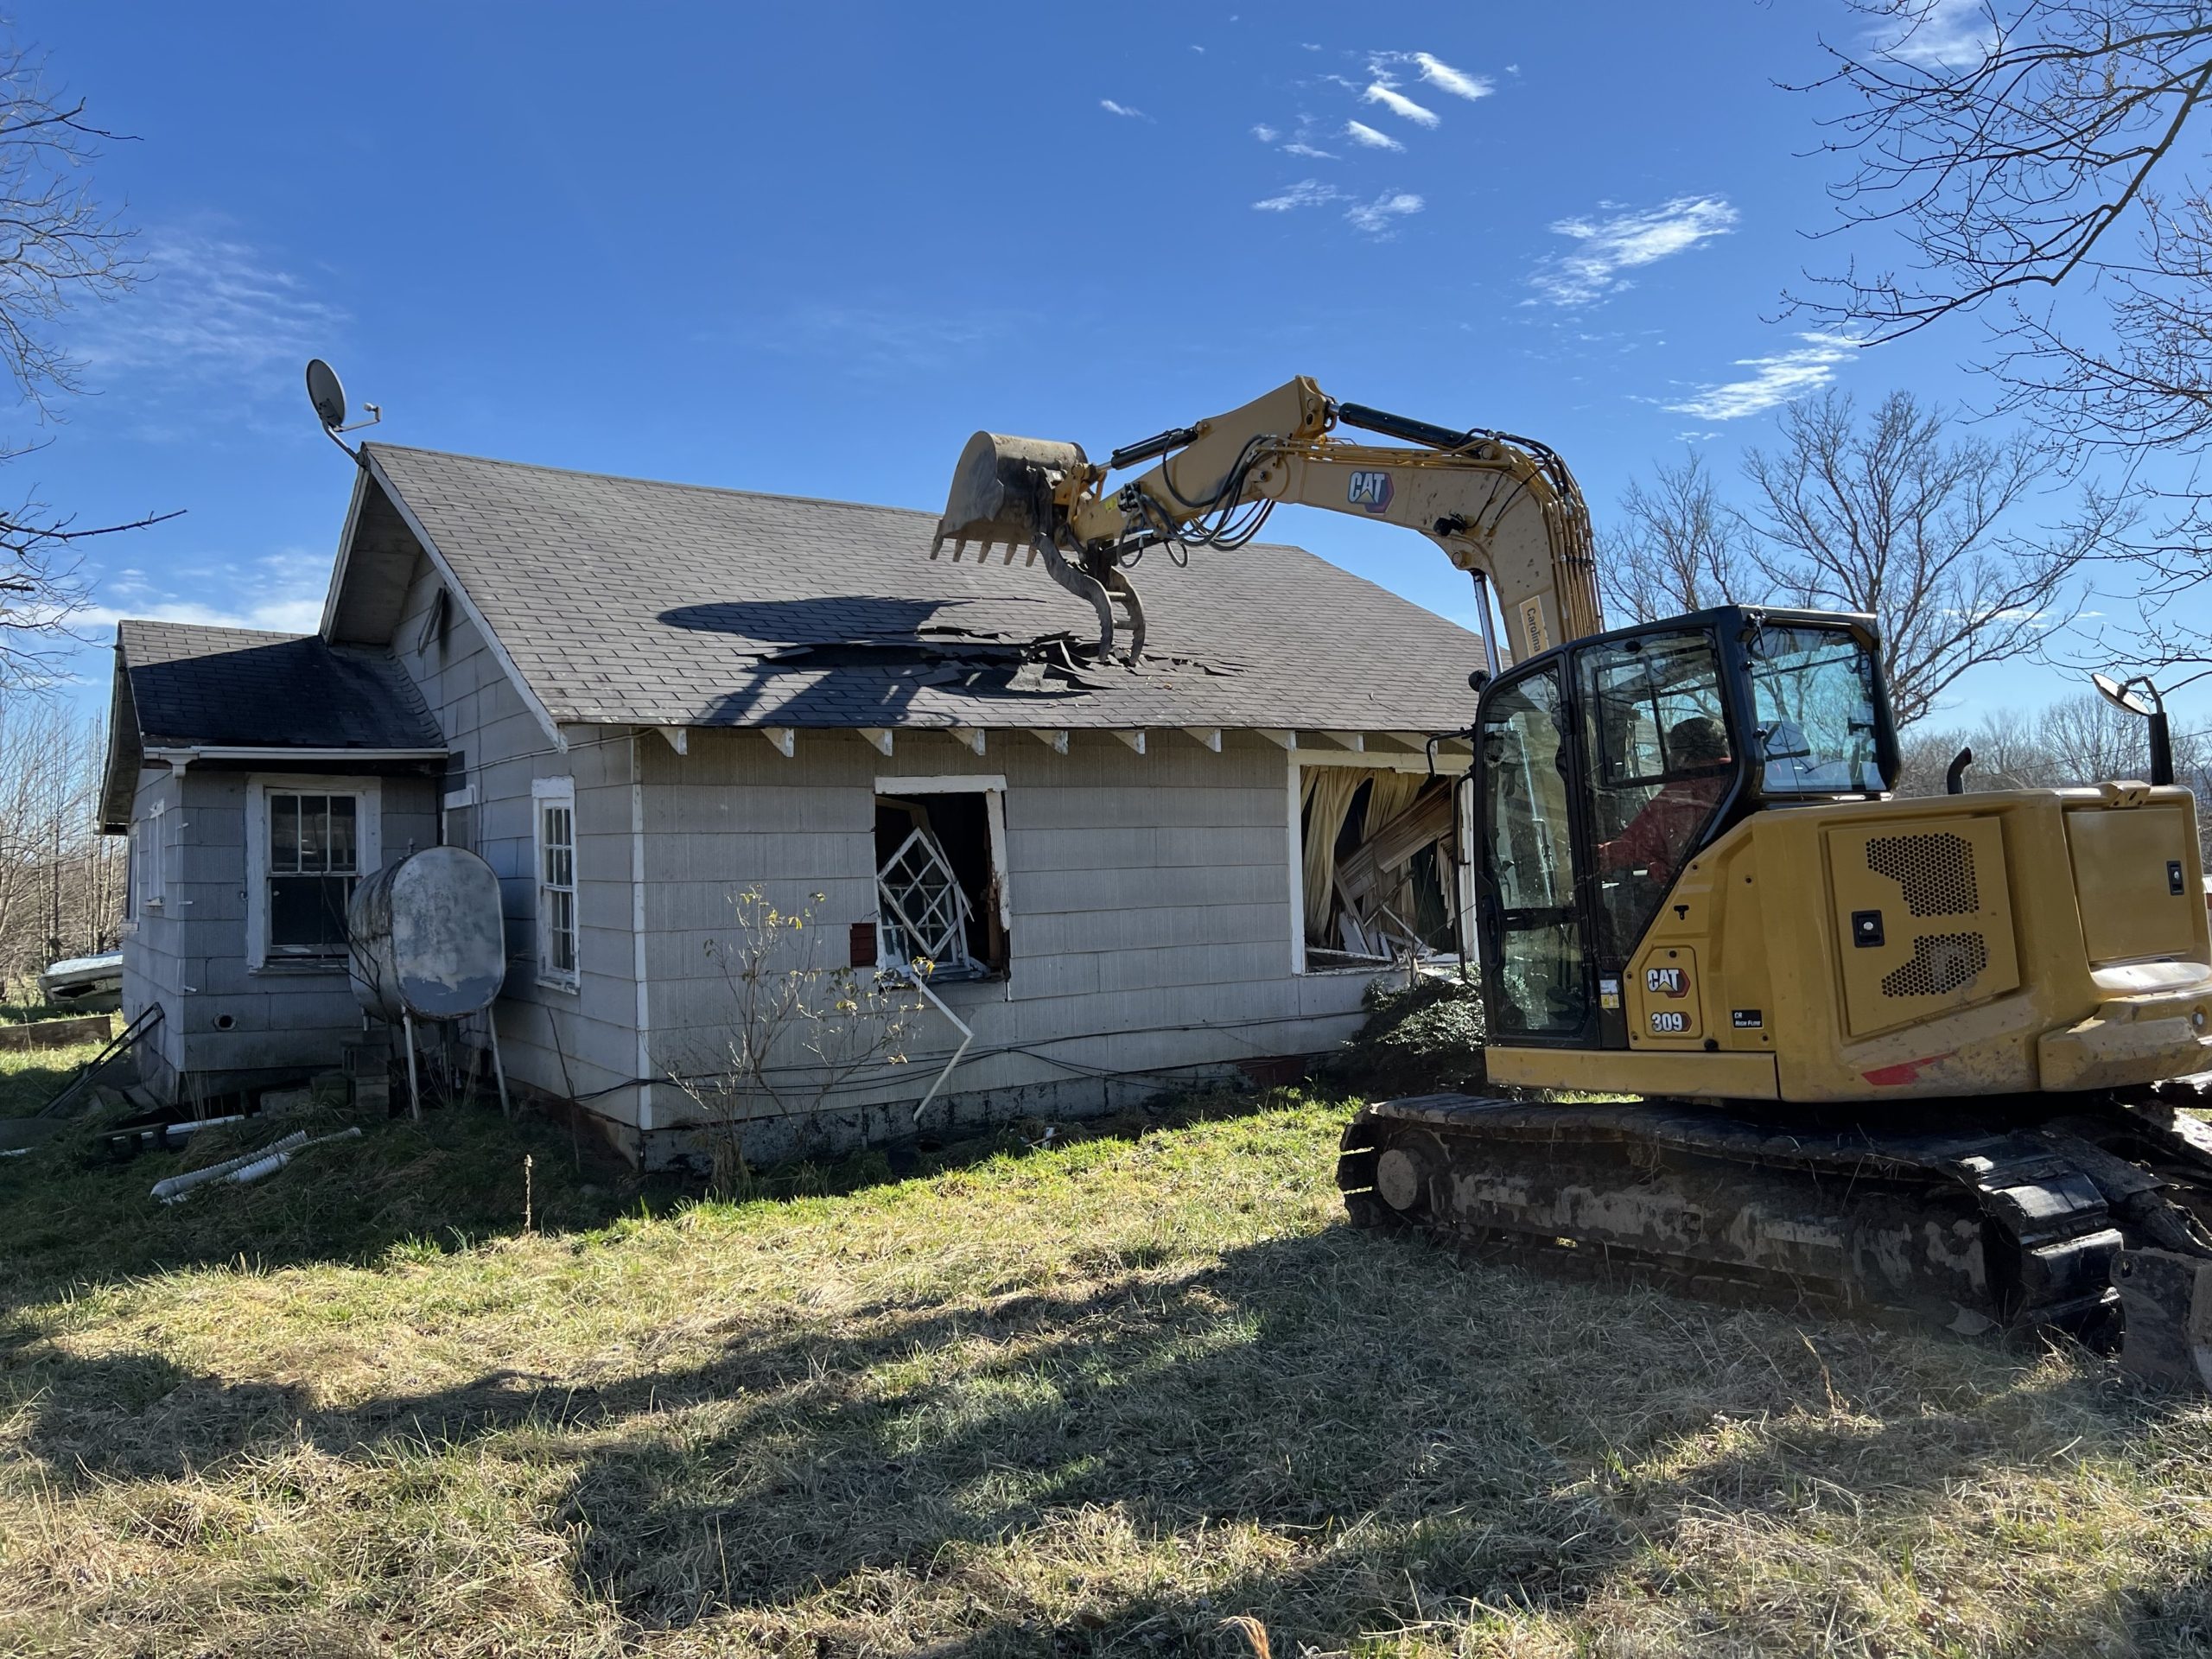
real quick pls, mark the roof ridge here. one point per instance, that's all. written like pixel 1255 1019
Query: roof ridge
pixel 714 489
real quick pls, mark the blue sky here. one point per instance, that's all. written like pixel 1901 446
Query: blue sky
pixel 811 248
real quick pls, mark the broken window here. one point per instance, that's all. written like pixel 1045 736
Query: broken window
pixel 940 894
pixel 1380 859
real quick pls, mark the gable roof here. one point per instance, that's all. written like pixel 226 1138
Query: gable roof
pixel 627 601
pixel 181 686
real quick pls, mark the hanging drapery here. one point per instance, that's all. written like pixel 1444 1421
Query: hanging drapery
pixel 1327 792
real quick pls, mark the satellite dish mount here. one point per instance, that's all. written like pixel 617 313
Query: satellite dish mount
pixel 327 395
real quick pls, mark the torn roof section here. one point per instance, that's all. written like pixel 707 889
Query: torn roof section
pixel 183 688
pixel 621 600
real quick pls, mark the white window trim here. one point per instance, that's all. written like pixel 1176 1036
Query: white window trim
pixel 1463 820
pixel 368 857
pixel 991 786
pixel 456 800
pixel 562 792
pixel 157 858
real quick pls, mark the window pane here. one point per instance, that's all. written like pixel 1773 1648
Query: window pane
pixel 344 813
pixel 1659 753
pixel 283 832
pixel 306 914
pixel 563 953
pixel 1540 985
pixel 1812 695
pixel 315 832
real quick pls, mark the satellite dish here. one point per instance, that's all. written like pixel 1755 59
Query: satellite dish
pixel 2120 695
pixel 325 394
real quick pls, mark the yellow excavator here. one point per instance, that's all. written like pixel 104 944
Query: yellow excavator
pixel 1759 1026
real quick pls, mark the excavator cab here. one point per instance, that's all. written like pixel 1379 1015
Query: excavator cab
pixel 1607 765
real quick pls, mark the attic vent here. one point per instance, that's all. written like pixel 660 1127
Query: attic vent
pixel 1937 873
pixel 1940 962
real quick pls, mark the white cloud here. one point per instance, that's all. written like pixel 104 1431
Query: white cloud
pixel 1380 216
pixel 1309 152
pixel 1360 133
pixel 1112 108
pixel 211 311
pixel 1398 105
pixel 1947 34
pixel 1624 240
pixel 283 593
pixel 1443 76
pixel 1778 380
pixel 1265 134
pixel 1307 193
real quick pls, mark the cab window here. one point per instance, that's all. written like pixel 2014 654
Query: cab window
pixel 1538 985
pixel 1661 762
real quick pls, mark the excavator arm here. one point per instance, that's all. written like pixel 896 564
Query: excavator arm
pixel 1504 509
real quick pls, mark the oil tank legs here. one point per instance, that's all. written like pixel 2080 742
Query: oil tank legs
pixel 414 1084
pixel 498 1066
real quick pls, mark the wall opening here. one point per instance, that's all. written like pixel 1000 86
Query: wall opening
pixel 939 890
pixel 1380 863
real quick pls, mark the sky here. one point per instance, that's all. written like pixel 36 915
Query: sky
pixel 810 249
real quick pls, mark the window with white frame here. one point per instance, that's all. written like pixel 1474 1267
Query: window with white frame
pixel 157 857
pixel 309 841
pixel 555 799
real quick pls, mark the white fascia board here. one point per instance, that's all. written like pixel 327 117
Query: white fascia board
pixel 492 643
pixel 176 757
pixel 339 565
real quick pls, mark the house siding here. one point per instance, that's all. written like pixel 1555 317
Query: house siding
pixel 1152 921
pixel 565 1042
pixel 190 955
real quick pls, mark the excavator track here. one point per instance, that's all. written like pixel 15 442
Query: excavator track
pixel 2093 1218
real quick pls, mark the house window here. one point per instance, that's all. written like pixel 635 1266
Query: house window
pixel 555 799
pixel 940 874
pixel 157 857
pixel 457 820
pixel 315 848
pixel 309 841
pixel 134 872
pixel 1380 869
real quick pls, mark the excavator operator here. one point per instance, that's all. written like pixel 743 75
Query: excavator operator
pixel 1658 837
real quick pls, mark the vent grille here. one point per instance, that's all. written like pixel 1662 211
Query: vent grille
pixel 1940 962
pixel 1937 873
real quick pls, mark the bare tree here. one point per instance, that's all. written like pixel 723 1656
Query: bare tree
pixel 2019 146
pixel 1896 518
pixel 58 247
pixel 61 881
pixel 1680 547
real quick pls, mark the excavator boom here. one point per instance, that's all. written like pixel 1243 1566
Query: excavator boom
pixel 1505 509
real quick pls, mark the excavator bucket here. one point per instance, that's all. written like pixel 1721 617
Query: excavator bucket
pixel 1003 492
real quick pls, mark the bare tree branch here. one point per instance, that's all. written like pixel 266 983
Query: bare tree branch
pixel 1681 548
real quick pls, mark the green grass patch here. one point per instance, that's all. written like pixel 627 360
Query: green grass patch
pixel 30 1077
pixel 1088 1399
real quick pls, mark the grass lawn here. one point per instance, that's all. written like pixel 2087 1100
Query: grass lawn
pixel 30 1077
pixel 1090 1399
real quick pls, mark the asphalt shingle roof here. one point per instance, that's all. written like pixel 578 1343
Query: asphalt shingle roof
pixel 625 600
pixel 241 688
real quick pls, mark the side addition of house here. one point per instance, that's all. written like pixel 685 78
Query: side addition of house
pixel 637 701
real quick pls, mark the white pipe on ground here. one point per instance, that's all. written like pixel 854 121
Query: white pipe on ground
pixel 275 1158
pixel 175 1187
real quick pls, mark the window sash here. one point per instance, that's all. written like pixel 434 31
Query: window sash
pixel 312 868
pixel 556 888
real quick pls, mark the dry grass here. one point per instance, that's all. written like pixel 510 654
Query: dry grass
pixel 1098 1399
pixel 30 1077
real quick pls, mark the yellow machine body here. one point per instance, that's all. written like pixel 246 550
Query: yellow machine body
pixel 2001 943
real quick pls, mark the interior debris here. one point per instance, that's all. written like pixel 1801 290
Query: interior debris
pixel 1380 857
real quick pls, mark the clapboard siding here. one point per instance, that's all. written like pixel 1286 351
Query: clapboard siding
pixel 189 954
pixel 563 1041
pixel 1150 895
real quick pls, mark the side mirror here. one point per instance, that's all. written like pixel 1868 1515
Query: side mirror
pixel 1477 680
